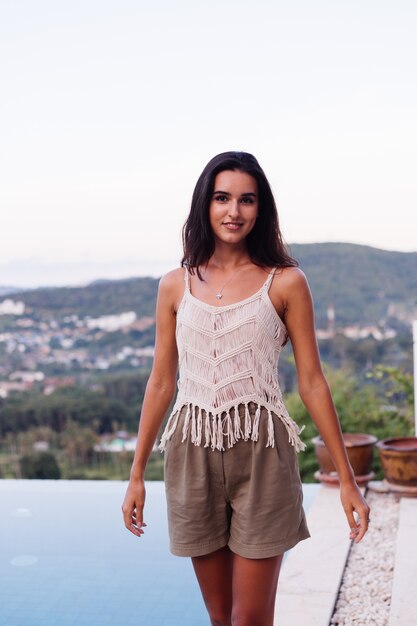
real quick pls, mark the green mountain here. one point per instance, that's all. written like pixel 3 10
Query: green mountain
pixel 102 297
pixel 364 284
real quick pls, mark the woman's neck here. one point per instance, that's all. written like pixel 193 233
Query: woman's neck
pixel 224 258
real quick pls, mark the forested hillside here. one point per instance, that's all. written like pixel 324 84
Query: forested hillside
pixel 103 297
pixel 360 281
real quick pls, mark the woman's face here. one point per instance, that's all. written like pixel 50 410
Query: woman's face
pixel 234 206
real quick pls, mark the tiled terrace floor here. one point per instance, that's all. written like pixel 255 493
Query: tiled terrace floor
pixel 309 582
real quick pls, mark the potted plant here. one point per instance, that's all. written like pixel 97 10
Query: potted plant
pixel 399 463
pixel 399 454
pixel 359 447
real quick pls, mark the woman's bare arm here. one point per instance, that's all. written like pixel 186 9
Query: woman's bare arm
pixel 315 393
pixel 159 392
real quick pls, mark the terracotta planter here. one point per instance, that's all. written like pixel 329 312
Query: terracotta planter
pixel 399 460
pixel 359 447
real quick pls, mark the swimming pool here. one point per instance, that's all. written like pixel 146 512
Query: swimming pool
pixel 66 558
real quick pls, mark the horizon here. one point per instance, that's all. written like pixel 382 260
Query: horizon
pixel 123 269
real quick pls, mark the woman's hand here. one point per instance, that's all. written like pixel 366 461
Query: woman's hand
pixel 133 506
pixel 353 501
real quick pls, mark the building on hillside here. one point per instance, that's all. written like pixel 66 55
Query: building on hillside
pixel 7 386
pixel 10 307
pixel 111 323
pixel 32 377
pixel 362 332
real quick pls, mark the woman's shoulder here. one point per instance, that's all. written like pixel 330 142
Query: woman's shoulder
pixel 173 277
pixel 171 284
pixel 289 276
pixel 289 280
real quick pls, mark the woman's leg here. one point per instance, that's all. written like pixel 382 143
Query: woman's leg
pixel 254 590
pixel 214 573
pixel 238 591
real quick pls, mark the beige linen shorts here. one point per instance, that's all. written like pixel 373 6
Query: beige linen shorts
pixel 248 497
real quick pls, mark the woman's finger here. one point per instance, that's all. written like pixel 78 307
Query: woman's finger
pixel 130 519
pixel 363 513
pixel 139 515
pixel 353 525
pixel 127 514
pixel 138 524
pixel 132 525
pixel 358 528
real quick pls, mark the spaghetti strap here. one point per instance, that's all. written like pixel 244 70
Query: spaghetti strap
pixel 187 279
pixel 268 281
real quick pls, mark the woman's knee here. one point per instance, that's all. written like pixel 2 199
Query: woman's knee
pixel 220 612
pixel 248 618
pixel 220 620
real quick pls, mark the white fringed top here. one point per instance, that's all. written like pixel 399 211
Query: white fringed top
pixel 228 356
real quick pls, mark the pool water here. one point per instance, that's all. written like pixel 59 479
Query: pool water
pixel 66 558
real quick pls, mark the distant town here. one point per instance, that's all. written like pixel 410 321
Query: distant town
pixel 33 347
pixel 37 345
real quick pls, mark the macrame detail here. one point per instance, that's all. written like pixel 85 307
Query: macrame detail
pixel 228 357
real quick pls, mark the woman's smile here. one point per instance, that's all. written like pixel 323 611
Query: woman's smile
pixel 233 225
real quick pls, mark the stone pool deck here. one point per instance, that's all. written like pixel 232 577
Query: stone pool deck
pixel 311 577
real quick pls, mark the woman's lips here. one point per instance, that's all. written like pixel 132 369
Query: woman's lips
pixel 232 225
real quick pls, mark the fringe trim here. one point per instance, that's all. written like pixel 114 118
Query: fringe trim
pixel 218 427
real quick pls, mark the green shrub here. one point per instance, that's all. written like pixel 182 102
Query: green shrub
pixel 40 465
pixel 361 408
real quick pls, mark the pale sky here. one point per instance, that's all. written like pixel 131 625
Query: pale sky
pixel 110 109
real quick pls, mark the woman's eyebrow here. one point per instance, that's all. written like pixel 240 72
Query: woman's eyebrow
pixel 226 193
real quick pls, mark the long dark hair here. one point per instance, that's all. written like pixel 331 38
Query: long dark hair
pixel 265 244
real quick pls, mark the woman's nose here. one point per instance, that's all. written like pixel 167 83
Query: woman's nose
pixel 233 208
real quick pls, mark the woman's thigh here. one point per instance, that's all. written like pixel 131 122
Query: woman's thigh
pixel 237 590
pixel 254 589
pixel 214 573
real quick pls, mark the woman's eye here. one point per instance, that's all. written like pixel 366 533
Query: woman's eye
pixel 248 200
pixel 221 198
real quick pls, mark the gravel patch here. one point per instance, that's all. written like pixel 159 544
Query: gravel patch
pixel 365 594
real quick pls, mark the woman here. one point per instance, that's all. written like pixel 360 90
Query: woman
pixel 231 475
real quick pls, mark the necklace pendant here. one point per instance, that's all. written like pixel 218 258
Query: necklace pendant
pixel 219 295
